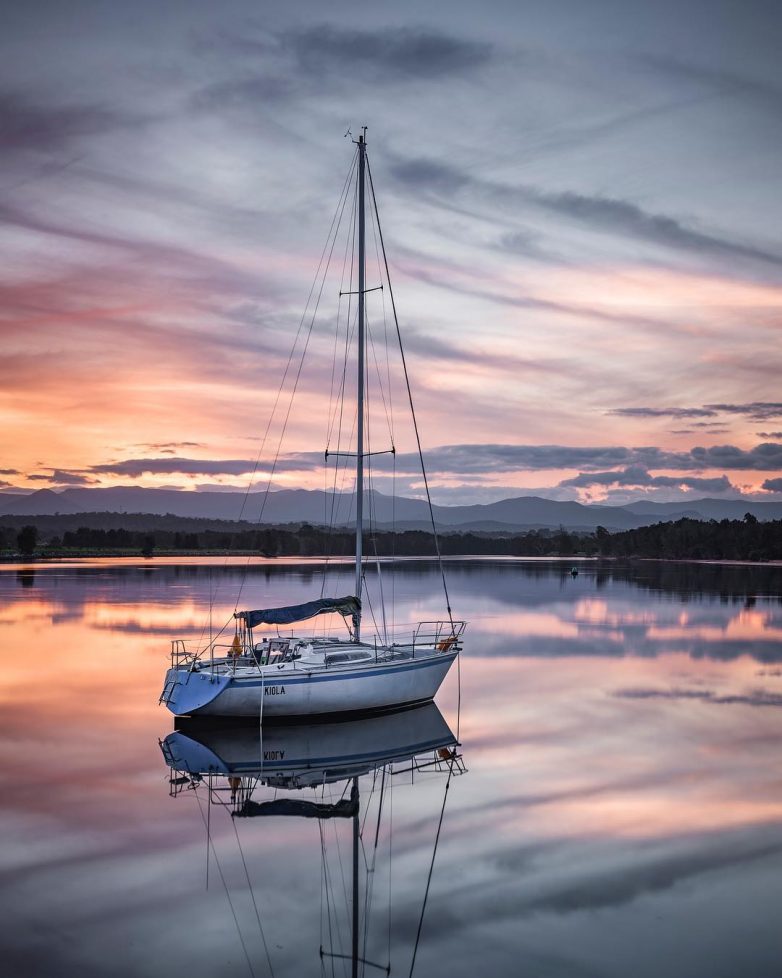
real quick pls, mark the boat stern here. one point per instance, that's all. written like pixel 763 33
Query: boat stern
pixel 186 691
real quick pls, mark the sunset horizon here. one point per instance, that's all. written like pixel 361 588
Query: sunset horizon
pixel 580 229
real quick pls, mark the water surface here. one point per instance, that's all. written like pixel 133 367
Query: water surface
pixel 621 811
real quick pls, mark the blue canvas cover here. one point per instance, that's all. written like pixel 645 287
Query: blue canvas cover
pixel 348 605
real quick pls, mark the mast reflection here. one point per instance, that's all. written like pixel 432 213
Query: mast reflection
pixel 243 768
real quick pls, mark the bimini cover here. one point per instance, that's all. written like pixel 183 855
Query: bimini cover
pixel 349 605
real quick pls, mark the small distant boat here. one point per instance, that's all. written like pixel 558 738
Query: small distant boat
pixel 316 676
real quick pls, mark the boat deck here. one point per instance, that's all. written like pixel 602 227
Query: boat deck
pixel 310 654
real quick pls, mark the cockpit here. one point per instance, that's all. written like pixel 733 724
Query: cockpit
pixel 275 651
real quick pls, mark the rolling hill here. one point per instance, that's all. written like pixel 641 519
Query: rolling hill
pixel 314 506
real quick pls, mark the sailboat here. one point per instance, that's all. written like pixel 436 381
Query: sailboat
pixel 301 675
pixel 306 755
pixel 232 765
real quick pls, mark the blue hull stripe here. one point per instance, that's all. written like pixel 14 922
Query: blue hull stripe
pixel 285 679
pixel 405 752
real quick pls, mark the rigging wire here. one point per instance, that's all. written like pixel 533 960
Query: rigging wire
pixel 252 897
pixel 368 470
pixel 328 887
pixel 431 869
pixel 389 408
pixel 350 250
pixel 385 399
pixel 390 854
pixel 389 387
pixel 341 865
pixel 339 407
pixel 331 237
pixel 393 540
pixel 370 889
pixel 332 400
pixel 458 695
pixel 366 810
pixel 371 345
pixel 227 893
pixel 410 398
pixel 336 401
pixel 208 834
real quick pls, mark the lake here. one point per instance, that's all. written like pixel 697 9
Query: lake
pixel 614 809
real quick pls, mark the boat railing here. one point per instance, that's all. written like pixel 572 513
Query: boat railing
pixel 445 636
pixel 442 759
pixel 184 658
pixel 181 655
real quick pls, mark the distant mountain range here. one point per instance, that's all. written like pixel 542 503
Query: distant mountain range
pixel 315 506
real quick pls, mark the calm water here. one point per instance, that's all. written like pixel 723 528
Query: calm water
pixel 621 812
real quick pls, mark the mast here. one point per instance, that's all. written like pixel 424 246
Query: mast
pixel 360 420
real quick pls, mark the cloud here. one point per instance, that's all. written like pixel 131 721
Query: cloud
pixel 136 467
pixel 714 426
pixel 624 217
pixel 598 466
pixel 226 487
pixel 9 471
pixel 647 412
pixel 431 348
pixel 528 244
pixel 390 53
pixel 772 485
pixel 530 302
pixel 599 212
pixel 238 93
pixel 209 274
pixel 27 125
pixel 639 476
pixel 424 174
pixel 615 888
pixel 170 446
pixel 614 879
pixel 719 81
pixel 760 697
pixel 757 410
pixel 763 457
pixel 302 60
pixel 469 458
pixel 63 477
pixel 770 434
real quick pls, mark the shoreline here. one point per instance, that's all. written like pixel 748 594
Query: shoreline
pixel 233 559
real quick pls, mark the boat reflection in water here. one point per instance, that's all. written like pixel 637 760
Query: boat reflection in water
pixel 244 768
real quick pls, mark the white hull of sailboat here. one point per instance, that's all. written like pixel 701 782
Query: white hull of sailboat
pixel 315 751
pixel 270 693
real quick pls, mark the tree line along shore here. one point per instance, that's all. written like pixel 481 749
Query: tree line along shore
pixel 684 539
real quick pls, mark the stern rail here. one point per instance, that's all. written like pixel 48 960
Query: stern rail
pixel 180 655
pixel 445 636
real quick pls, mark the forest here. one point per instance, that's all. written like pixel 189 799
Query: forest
pixel 685 539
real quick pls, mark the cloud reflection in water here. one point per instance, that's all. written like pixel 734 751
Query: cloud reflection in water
pixel 622 814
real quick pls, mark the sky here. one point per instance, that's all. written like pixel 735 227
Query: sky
pixel 580 203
